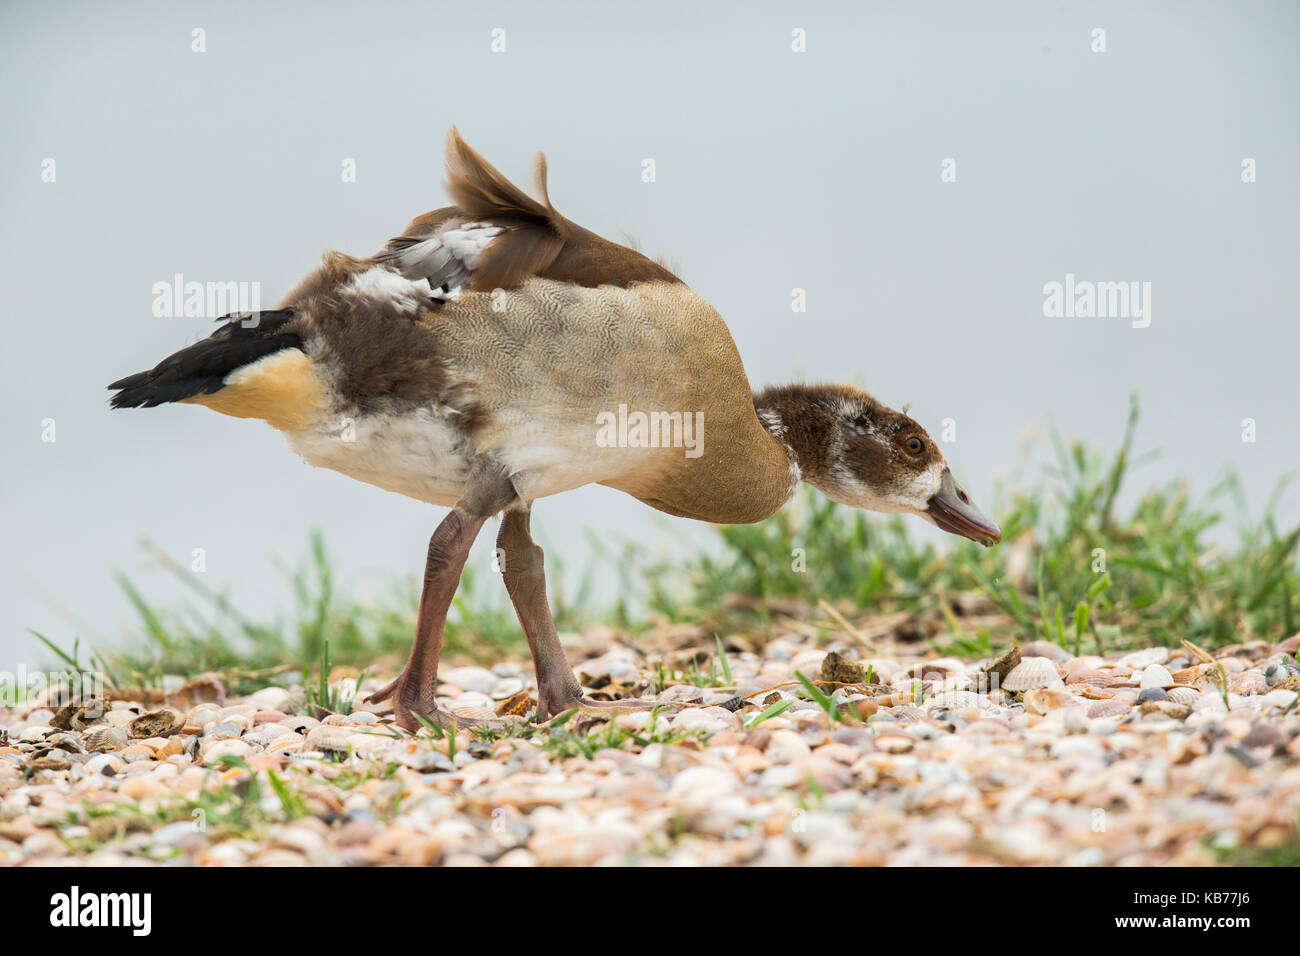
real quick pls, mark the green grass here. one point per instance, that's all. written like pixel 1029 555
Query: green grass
pixel 223 809
pixel 562 742
pixel 557 739
pixel 323 630
pixel 1100 577
pixel 1164 580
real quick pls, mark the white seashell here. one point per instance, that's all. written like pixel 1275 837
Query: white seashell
pixel 120 718
pixel 1281 699
pixel 959 699
pixel 214 750
pixel 894 743
pixel 369 745
pixel 1156 675
pixel 507 688
pixel 475 679
pixel 1140 660
pixel 330 737
pixel 286 743
pixel 270 698
pixel 1183 694
pixel 1109 708
pixel 1031 673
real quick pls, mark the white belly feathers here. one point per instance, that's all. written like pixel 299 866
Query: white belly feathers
pixel 418 453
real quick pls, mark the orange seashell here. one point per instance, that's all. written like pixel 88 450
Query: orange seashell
pixel 1040 700
pixel 1091 677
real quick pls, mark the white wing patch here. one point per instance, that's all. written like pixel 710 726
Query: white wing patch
pixel 446 259
pixel 384 286
pixel 466 242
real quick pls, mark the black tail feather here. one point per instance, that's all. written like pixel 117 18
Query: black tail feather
pixel 202 367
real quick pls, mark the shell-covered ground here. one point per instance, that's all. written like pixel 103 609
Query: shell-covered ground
pixel 1149 757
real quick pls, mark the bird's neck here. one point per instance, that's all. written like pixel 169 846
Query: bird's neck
pixel 802 418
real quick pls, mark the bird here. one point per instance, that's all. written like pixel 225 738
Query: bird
pixel 495 354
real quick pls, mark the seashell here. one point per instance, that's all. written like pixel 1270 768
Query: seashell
pixel 1109 708
pixel 1248 682
pixel 89 714
pixel 1264 735
pixel 1279 672
pixel 1098 693
pixel 1232 665
pixel 893 700
pixel 996 671
pixel 51 760
pixel 65 742
pixel 957 700
pixel 929 670
pixel 369 744
pixel 520 705
pixel 1166 708
pixel 156 723
pixel 1156 675
pixel 892 742
pixel 1291 645
pixel 1140 660
pixel 907 714
pixel 225 730
pixel 1279 697
pixel 507 688
pixel 1152 694
pixel 120 718
pixel 1182 694
pixel 1040 700
pixel 105 739
pixel 138 751
pixel 419 756
pixel 1255 650
pixel 1090 677
pixel 206 689
pixel 288 743
pixel 1032 672
pixel 330 737
pixel 1053 652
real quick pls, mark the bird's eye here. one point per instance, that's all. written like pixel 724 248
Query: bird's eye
pixel 915 446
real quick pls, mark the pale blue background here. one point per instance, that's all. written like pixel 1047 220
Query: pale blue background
pixel 775 171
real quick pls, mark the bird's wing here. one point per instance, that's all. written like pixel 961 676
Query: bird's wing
pixel 496 237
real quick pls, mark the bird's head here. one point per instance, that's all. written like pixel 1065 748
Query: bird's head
pixel 861 453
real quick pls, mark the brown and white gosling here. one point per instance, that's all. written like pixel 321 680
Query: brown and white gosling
pixel 496 353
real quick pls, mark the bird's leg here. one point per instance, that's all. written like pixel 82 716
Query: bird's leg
pixel 522 566
pixel 413 692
